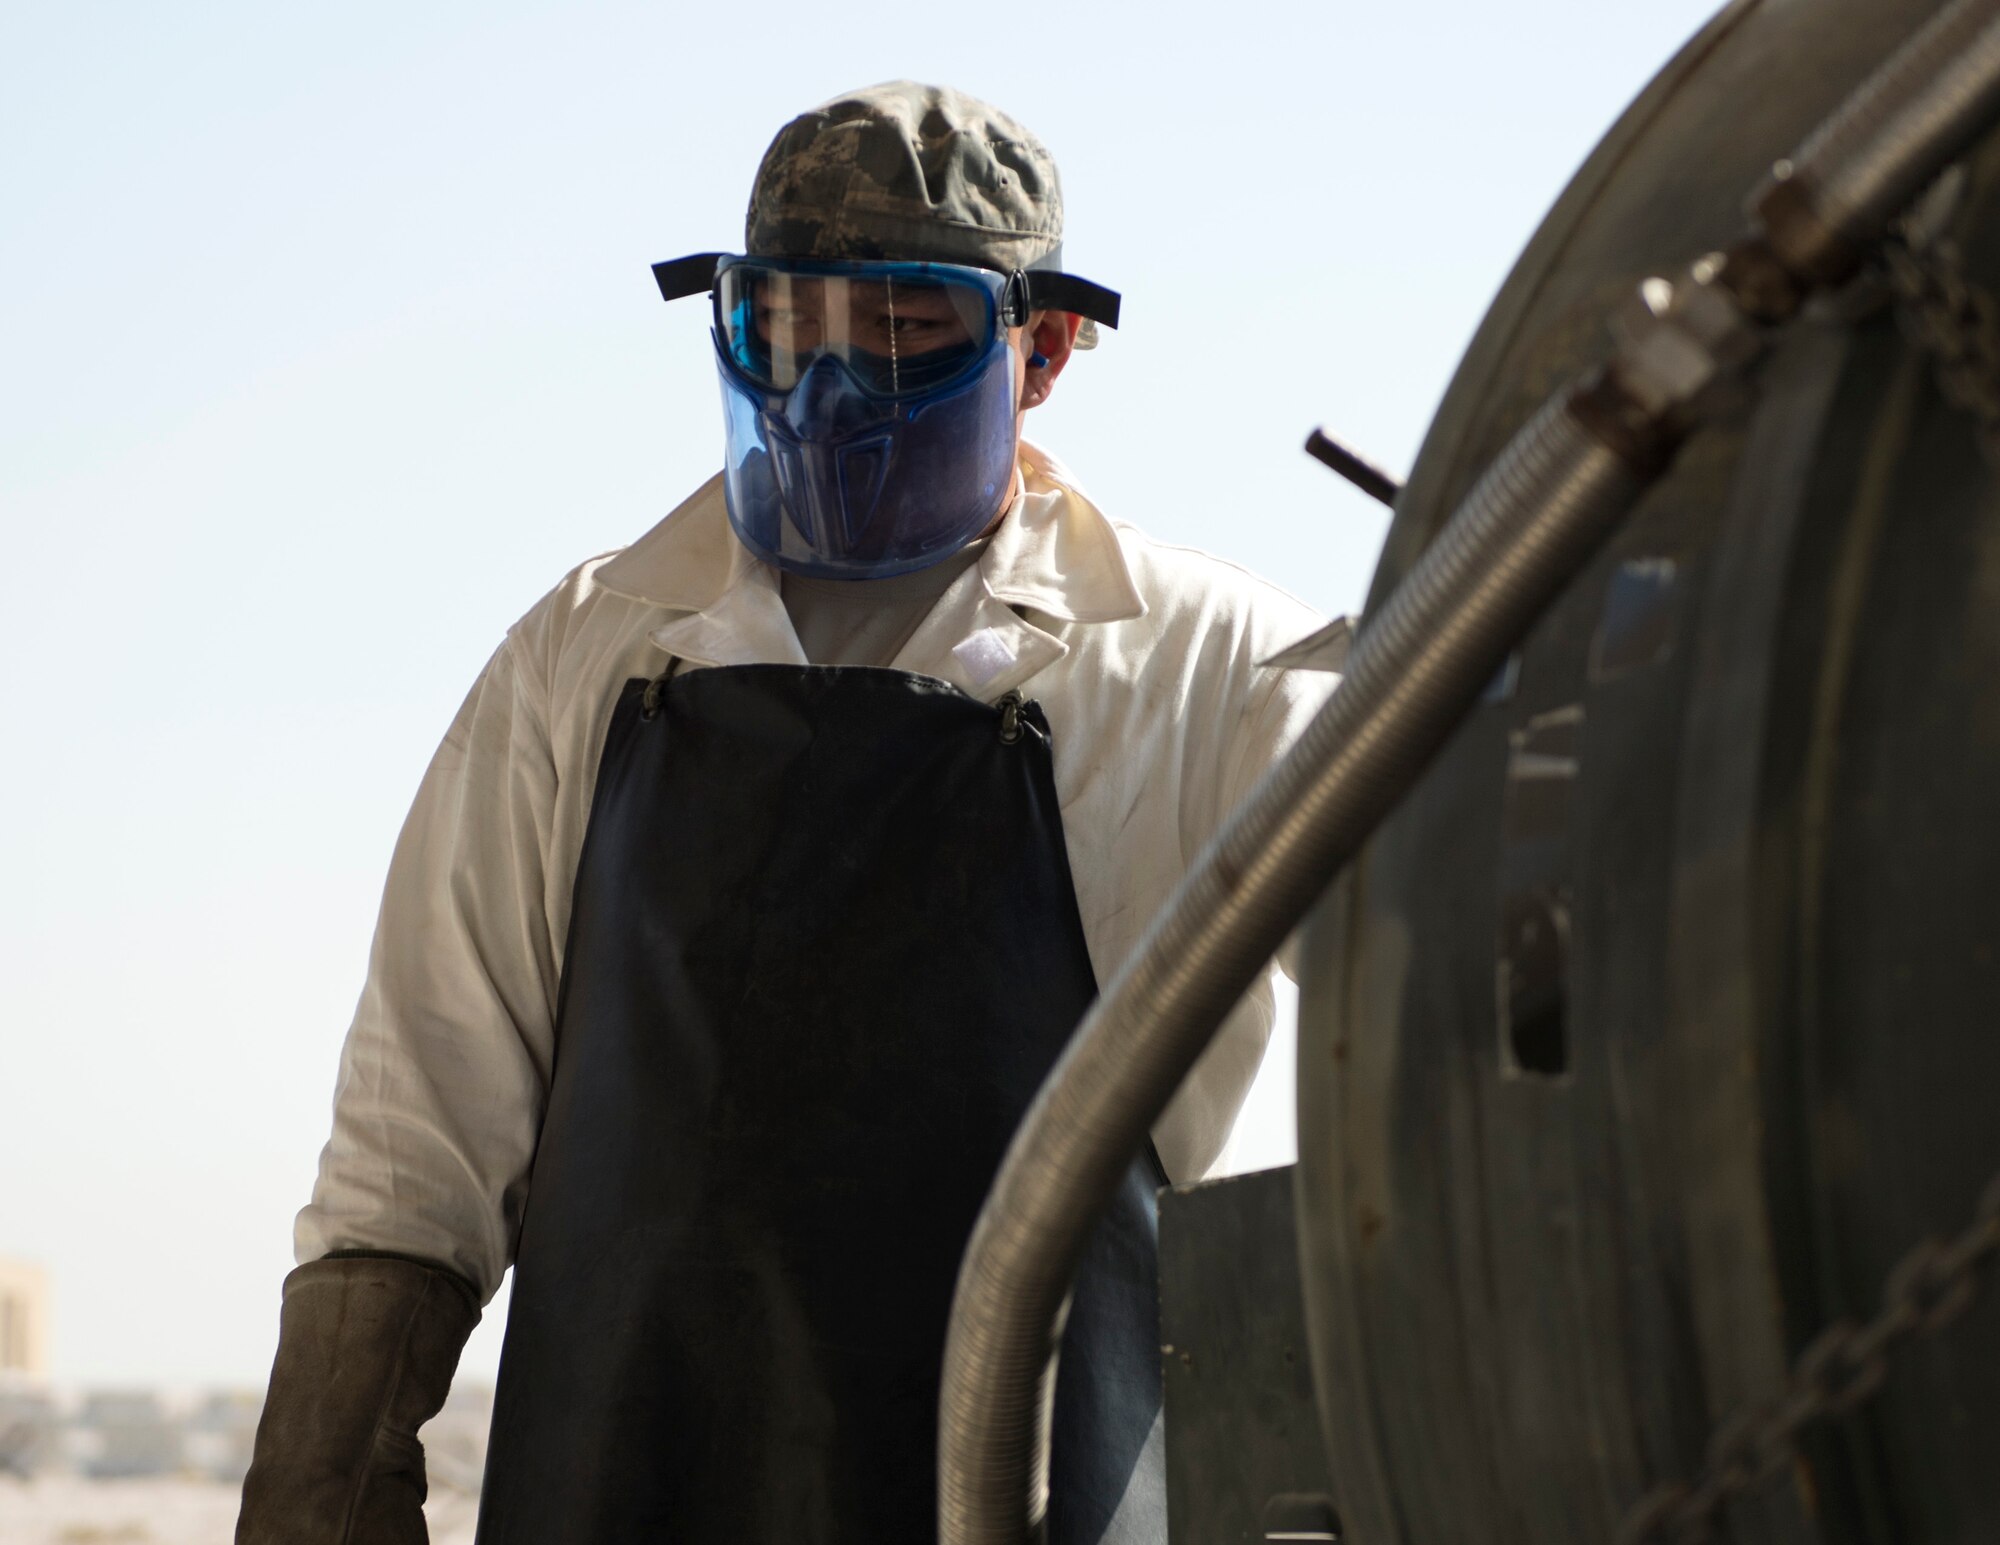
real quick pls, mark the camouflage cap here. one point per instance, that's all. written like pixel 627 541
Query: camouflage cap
pixel 911 172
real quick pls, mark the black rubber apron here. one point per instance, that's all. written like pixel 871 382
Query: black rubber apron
pixel 824 948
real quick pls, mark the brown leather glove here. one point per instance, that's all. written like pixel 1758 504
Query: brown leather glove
pixel 366 1349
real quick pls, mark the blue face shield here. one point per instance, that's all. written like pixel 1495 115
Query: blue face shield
pixel 869 407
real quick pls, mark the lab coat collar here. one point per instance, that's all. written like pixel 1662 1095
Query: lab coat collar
pixel 1054 552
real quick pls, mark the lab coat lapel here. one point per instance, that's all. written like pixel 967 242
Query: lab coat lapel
pixel 746 625
pixel 977 642
pixel 1055 554
pixel 692 563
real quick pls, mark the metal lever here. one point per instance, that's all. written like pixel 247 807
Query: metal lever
pixel 1353 466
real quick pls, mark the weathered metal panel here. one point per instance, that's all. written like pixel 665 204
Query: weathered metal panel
pixel 1244 1456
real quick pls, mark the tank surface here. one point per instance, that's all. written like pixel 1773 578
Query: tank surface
pixel 1663 1016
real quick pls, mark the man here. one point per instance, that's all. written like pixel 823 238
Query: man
pixel 714 972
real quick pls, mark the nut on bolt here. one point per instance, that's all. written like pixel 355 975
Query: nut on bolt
pixel 1789 209
pixel 1677 340
pixel 1762 286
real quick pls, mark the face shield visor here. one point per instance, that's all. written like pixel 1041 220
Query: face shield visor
pixel 869 407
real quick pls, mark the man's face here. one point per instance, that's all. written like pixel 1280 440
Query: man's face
pixel 898 335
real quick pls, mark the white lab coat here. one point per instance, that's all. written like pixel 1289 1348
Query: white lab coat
pixel 1144 658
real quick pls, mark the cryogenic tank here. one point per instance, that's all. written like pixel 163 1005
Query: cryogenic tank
pixel 1661 1020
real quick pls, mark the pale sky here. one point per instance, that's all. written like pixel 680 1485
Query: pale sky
pixel 327 344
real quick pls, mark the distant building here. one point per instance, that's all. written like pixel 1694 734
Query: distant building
pixel 24 1322
pixel 30 1430
pixel 221 1431
pixel 121 1433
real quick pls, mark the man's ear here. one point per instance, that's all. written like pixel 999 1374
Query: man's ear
pixel 1051 337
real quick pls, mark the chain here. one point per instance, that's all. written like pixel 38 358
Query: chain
pixel 1930 1287
pixel 1958 324
pixel 1952 319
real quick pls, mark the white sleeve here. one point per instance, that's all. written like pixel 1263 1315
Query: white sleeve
pixel 1270 708
pixel 445 1073
pixel 1299 695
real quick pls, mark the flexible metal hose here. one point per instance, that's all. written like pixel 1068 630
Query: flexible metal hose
pixel 1523 530
pixel 1874 154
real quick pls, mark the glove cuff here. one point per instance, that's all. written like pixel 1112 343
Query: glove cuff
pixel 367 1346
